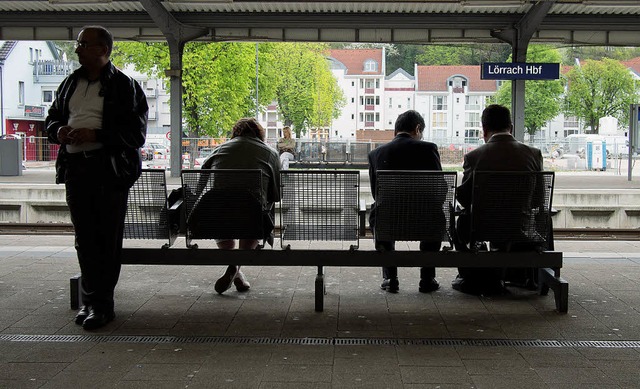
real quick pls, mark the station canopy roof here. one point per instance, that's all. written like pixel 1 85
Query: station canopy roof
pixel 575 22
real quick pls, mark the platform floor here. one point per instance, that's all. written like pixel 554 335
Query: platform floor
pixel 172 330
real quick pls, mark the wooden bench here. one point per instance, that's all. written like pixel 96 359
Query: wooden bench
pixel 324 206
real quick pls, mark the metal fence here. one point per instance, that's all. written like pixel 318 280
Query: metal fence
pixel 558 154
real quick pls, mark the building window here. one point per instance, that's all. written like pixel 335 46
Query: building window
pixel 471 135
pixel 361 100
pixel 353 83
pixel 472 120
pixel 370 66
pixel 20 92
pixel 361 83
pixel 369 117
pixel 439 119
pixel 353 99
pixel 408 102
pixel 352 116
pixel 390 102
pixel 377 83
pixel 377 117
pixel 31 54
pixel 369 84
pixel 361 116
pixel 473 103
pixel 47 96
pixel 570 121
pixel 571 131
pixel 368 100
pixel 439 103
pixel 377 100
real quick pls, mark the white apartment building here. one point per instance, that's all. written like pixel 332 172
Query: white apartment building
pixel 360 74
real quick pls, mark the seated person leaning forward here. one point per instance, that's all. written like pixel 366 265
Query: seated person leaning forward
pixel 286 148
pixel 406 151
pixel 501 152
pixel 246 150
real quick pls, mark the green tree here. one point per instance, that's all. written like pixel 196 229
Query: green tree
pixel 598 53
pixel 474 54
pixel 218 80
pixel 542 98
pixel 598 89
pixel 308 94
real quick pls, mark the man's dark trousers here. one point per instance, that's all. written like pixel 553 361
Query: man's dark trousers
pixel 97 210
pixel 426 273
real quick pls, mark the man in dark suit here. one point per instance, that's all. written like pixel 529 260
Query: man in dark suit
pixel 406 151
pixel 501 152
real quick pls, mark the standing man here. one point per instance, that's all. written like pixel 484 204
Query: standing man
pixel 99 118
pixel 406 151
pixel 501 152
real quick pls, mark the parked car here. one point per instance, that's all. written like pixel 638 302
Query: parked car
pixel 146 152
pixel 203 154
pixel 159 149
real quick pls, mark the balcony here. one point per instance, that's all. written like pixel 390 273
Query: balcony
pixel 369 107
pixel 52 71
pixel 369 90
pixel 151 93
pixel 369 124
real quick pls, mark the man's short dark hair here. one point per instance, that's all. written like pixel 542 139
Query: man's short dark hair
pixel 408 121
pixel 104 36
pixel 496 118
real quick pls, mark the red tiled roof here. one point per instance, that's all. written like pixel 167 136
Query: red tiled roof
pixel 354 59
pixel 434 78
pixel 633 64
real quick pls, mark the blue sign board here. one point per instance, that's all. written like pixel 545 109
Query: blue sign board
pixel 520 71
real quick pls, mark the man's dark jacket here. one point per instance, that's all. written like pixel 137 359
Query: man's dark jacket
pixel 501 153
pixel 124 122
pixel 402 153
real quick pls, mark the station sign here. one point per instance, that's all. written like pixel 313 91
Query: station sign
pixel 520 71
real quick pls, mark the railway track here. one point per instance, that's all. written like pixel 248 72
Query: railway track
pixel 559 233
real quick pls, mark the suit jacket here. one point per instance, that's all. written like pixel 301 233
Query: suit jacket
pixel 402 153
pixel 501 153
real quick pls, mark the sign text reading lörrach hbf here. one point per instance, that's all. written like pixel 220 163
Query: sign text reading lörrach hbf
pixel 520 71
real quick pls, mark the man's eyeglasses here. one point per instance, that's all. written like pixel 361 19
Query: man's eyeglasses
pixel 85 45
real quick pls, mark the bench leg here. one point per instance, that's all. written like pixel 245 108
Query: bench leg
pixel 75 283
pixel 320 290
pixel 550 278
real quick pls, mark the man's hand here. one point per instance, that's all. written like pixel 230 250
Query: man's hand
pixel 63 134
pixel 79 136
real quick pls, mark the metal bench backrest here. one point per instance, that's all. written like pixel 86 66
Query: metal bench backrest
pixel 319 206
pixel 512 207
pixel 414 205
pixel 223 204
pixel 147 209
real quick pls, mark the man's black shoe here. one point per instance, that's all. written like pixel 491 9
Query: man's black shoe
pixel 82 315
pixel 428 285
pixel 97 319
pixel 491 288
pixel 391 285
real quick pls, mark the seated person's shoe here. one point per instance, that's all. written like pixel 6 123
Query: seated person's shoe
pixel 464 286
pixel 224 283
pixel 97 319
pixel 82 314
pixel 478 288
pixel 391 285
pixel 428 285
pixel 242 285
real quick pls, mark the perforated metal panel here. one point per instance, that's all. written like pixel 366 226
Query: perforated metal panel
pixel 223 203
pixel 336 152
pixel 319 205
pixel 146 216
pixel 511 207
pixel 414 205
pixel 310 152
pixel 359 152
